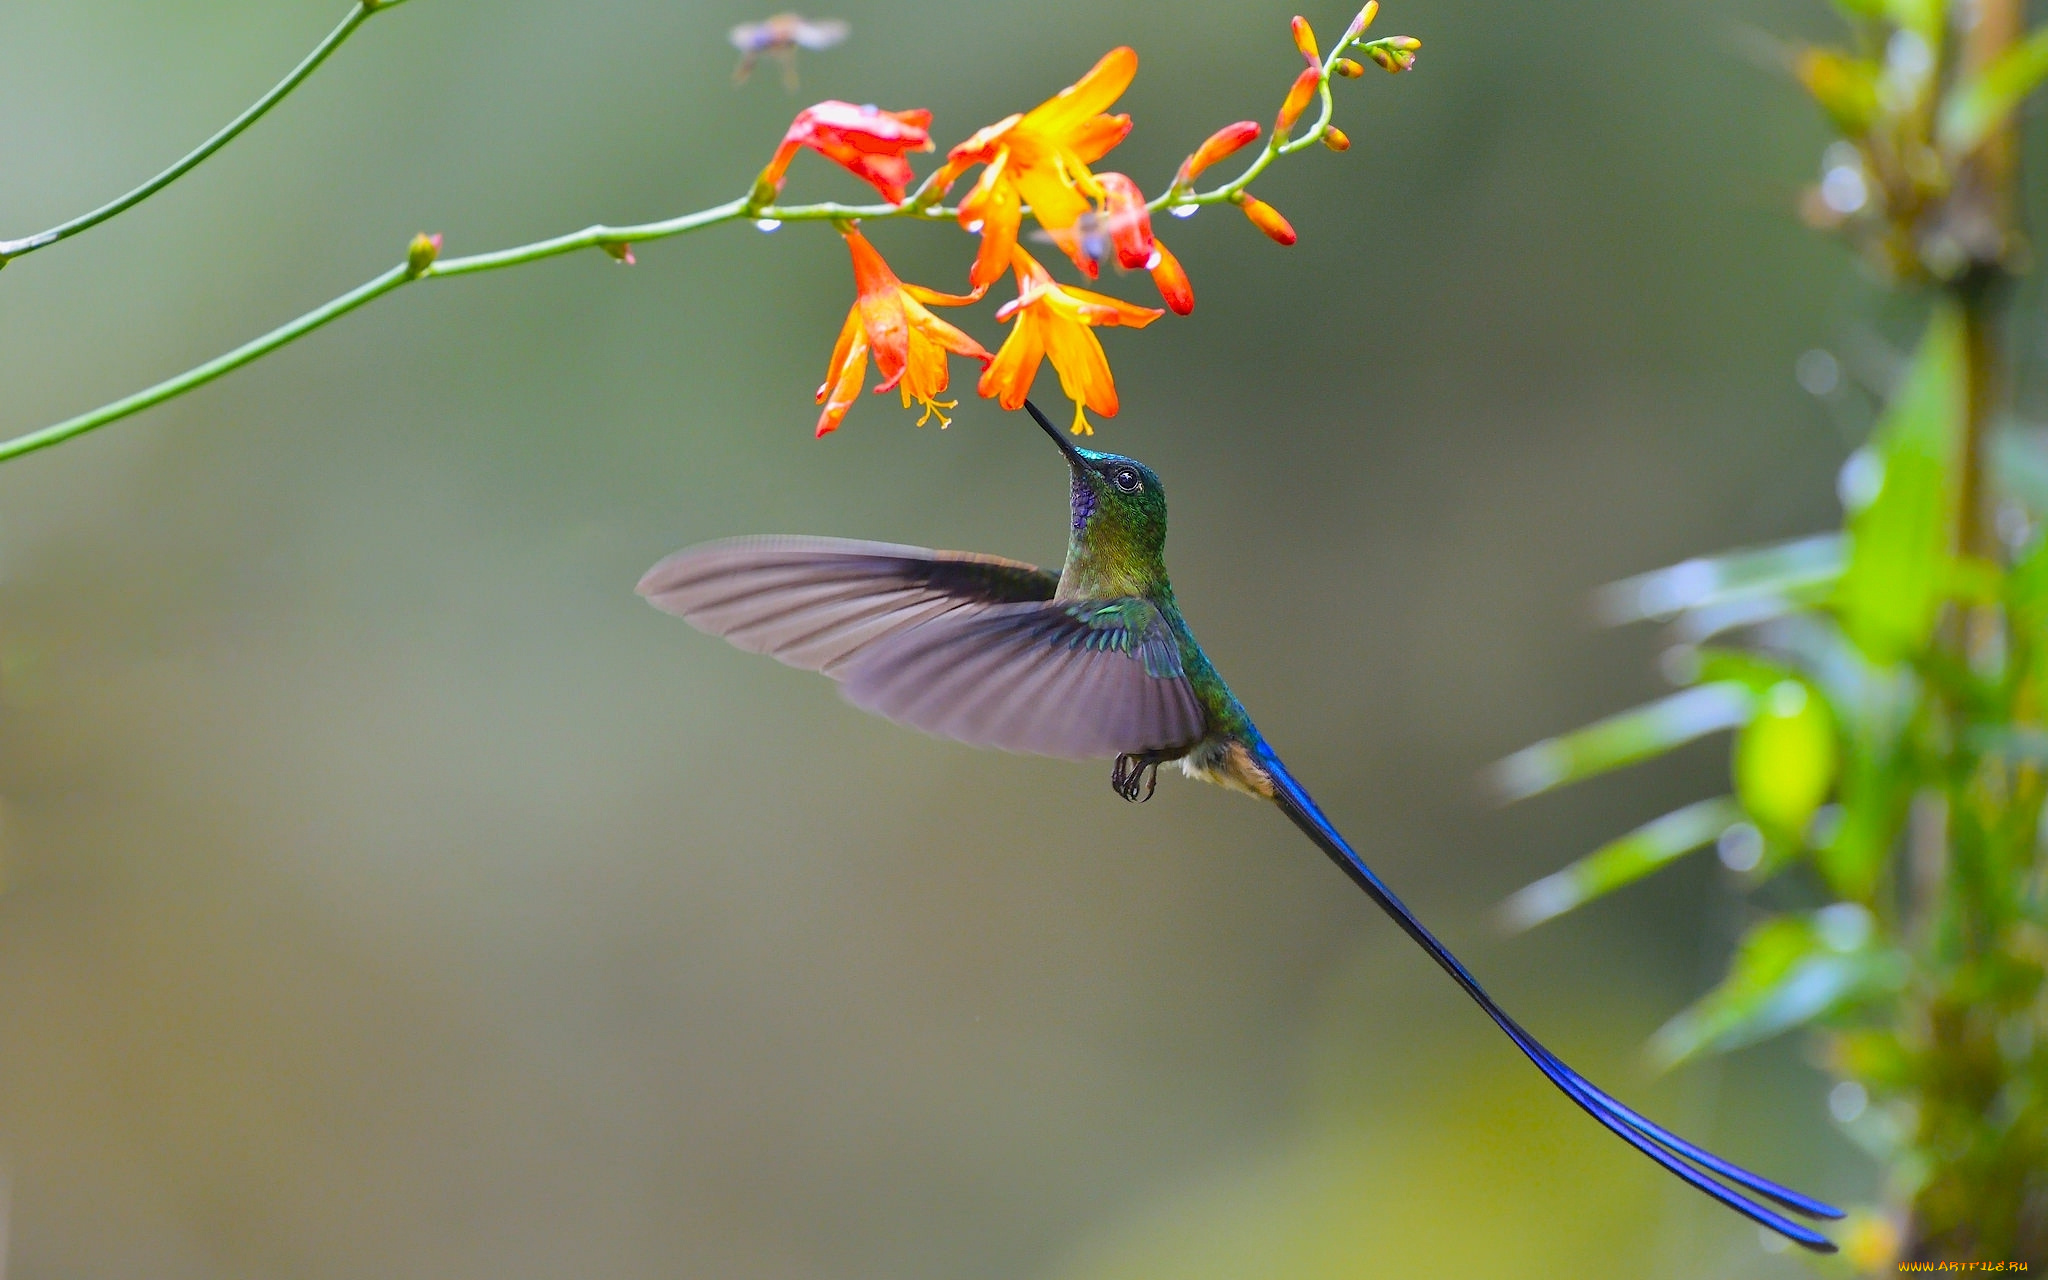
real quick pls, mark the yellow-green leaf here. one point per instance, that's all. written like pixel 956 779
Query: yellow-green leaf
pixel 1797 569
pixel 1786 972
pixel 1979 104
pixel 1785 758
pixel 1632 735
pixel 1654 844
pixel 1901 493
pixel 1845 86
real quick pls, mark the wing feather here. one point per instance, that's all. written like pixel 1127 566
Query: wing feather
pixel 1033 678
pixel 967 647
pixel 816 602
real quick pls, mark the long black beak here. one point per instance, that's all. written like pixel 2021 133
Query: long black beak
pixel 1059 437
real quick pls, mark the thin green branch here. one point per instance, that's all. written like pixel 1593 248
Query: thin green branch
pixel 599 236
pixel 207 372
pixel 359 14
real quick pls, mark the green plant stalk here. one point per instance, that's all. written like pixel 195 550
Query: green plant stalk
pixel 598 236
pixel 359 14
pixel 1967 1196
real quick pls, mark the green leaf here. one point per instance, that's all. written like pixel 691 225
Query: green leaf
pixel 1740 666
pixel 1901 493
pixel 1923 17
pixel 1799 568
pixel 1785 759
pixel 1787 971
pixel 1981 103
pixel 1638 734
pixel 2026 591
pixel 1876 788
pixel 1844 85
pixel 1624 861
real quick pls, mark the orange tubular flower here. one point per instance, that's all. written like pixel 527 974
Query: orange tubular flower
pixel 1041 158
pixel 866 141
pixel 1218 145
pixel 1058 322
pixel 891 319
pixel 1130 227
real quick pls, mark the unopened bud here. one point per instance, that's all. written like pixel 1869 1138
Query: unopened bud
pixel 420 254
pixel 623 252
pixel 1173 284
pixel 1347 68
pixel 1305 40
pixel 1298 98
pixel 1219 144
pixel 1335 139
pixel 769 184
pixel 1360 23
pixel 1407 43
pixel 1266 218
pixel 1393 60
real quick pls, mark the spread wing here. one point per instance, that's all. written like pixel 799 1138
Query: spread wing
pixel 1077 679
pixel 821 34
pixel 816 602
pixel 964 646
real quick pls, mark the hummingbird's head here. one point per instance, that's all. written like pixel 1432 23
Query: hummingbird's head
pixel 1116 499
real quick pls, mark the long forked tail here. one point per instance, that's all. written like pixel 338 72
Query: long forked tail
pixel 1688 1161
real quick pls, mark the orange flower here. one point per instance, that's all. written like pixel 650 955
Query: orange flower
pixel 891 319
pixel 1055 321
pixel 866 141
pixel 1041 158
pixel 1130 232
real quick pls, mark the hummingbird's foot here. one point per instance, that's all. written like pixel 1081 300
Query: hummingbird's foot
pixel 1135 772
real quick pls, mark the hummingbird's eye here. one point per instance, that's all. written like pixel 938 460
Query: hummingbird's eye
pixel 1126 480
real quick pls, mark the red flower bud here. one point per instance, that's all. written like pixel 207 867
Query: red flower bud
pixel 1347 68
pixel 1336 139
pixel 1305 40
pixel 1173 284
pixel 1220 144
pixel 1298 96
pixel 1266 218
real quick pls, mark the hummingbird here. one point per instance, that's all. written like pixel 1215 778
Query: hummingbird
pixel 780 36
pixel 1093 662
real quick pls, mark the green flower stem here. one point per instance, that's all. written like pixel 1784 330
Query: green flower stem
pixel 205 373
pixel 357 15
pixel 600 236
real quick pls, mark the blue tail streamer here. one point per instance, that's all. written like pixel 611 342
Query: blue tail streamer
pixel 1654 1141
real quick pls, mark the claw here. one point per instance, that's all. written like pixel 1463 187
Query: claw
pixel 1132 773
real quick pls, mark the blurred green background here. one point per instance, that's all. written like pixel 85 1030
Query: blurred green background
pixel 391 892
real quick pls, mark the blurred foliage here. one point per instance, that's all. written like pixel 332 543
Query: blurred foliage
pixel 1901 668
